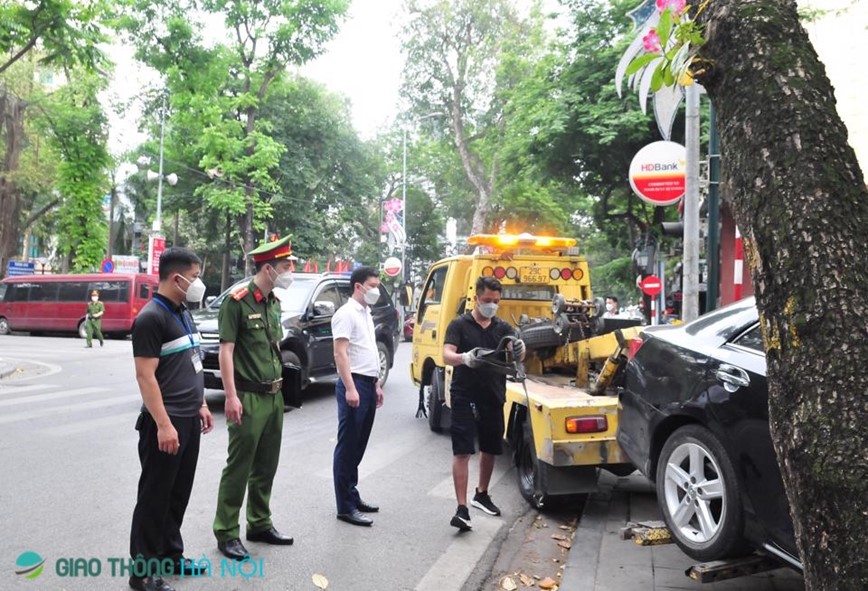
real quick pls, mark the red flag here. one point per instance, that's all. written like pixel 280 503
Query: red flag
pixel 329 265
pixel 315 266
pixel 307 266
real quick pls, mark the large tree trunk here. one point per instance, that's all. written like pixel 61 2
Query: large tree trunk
pixel 12 114
pixel 801 201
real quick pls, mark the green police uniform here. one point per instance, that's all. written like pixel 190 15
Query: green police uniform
pixel 251 320
pixel 93 325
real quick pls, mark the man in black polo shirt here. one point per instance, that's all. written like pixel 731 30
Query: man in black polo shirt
pixel 477 397
pixel 174 415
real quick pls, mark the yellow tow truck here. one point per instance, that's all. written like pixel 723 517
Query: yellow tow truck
pixel 561 419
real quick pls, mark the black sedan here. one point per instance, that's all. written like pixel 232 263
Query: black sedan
pixel 695 421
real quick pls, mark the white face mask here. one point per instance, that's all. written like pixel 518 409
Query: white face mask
pixel 372 296
pixel 195 292
pixel 94 299
pixel 487 310
pixel 283 280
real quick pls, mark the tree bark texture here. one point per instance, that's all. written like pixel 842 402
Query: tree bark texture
pixel 801 202
pixel 12 114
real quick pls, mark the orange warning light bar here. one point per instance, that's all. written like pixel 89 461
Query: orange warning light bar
pixel 525 240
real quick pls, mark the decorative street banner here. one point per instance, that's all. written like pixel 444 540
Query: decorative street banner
pixel 657 173
pixel 156 246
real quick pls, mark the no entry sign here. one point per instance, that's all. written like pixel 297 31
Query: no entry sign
pixel 651 285
pixel 657 173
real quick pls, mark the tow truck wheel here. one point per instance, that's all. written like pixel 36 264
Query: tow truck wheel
pixel 435 401
pixel 526 465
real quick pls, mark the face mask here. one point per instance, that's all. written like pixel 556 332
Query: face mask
pixel 372 296
pixel 611 307
pixel 487 310
pixel 195 292
pixel 283 280
pixel 94 298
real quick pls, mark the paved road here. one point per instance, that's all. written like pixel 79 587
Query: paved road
pixel 69 473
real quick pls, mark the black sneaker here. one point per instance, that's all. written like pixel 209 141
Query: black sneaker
pixel 481 500
pixel 149 584
pixel 461 519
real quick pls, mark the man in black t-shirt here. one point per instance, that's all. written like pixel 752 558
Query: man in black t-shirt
pixel 174 415
pixel 477 396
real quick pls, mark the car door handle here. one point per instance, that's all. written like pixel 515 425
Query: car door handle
pixel 729 374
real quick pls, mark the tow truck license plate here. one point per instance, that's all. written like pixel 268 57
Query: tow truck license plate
pixel 533 275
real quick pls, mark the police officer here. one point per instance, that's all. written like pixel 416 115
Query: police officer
pixel 93 323
pixel 251 368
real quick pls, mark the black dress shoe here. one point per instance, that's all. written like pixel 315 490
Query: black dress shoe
pixel 150 584
pixel 233 549
pixel 187 568
pixel 367 507
pixel 270 536
pixel 356 518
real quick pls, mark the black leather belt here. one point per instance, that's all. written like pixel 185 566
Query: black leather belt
pixel 371 379
pixel 258 387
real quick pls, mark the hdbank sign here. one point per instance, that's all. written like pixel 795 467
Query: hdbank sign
pixel 657 173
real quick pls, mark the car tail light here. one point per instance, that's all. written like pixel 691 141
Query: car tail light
pixel 634 346
pixel 591 424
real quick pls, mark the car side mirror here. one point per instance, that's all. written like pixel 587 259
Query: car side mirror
pixel 323 308
pixel 209 300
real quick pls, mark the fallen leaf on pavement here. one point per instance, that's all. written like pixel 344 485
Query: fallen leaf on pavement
pixel 320 581
pixel 525 580
pixel 548 583
pixel 565 544
pixel 507 584
pixel 559 537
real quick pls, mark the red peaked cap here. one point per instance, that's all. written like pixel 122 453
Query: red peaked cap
pixel 276 248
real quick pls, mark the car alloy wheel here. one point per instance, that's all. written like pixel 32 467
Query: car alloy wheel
pixel 383 356
pixel 4 326
pixel 698 493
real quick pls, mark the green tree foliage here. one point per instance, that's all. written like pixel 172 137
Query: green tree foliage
pixel 262 38
pixel 452 53
pixel 78 128
pixel 46 35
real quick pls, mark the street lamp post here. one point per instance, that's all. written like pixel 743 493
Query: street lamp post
pixel 404 210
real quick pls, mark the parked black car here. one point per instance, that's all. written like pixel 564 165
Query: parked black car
pixel 695 420
pixel 307 309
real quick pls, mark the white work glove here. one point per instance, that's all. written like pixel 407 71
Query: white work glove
pixel 469 358
pixel 518 348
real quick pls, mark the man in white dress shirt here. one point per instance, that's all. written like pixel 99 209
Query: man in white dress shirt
pixel 358 392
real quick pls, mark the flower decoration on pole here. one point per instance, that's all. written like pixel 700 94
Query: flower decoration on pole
pixel 392 223
pixel 670 46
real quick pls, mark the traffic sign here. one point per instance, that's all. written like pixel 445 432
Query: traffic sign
pixel 107 266
pixel 392 266
pixel 651 285
pixel 18 268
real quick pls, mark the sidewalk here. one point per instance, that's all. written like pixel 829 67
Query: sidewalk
pixel 601 561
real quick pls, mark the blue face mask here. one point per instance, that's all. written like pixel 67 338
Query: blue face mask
pixel 487 310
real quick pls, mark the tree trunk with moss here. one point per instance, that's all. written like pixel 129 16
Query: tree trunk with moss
pixel 800 199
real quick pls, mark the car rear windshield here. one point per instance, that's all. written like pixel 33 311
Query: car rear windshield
pixel 725 323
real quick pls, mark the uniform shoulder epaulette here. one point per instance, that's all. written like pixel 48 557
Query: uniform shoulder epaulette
pixel 237 295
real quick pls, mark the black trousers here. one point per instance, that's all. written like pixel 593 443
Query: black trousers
pixel 164 488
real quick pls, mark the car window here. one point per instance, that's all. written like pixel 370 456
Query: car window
pixel 329 293
pixel 724 323
pixel 3 287
pixel 433 292
pixel 752 339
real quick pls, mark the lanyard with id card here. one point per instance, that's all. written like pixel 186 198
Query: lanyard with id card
pixel 195 354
